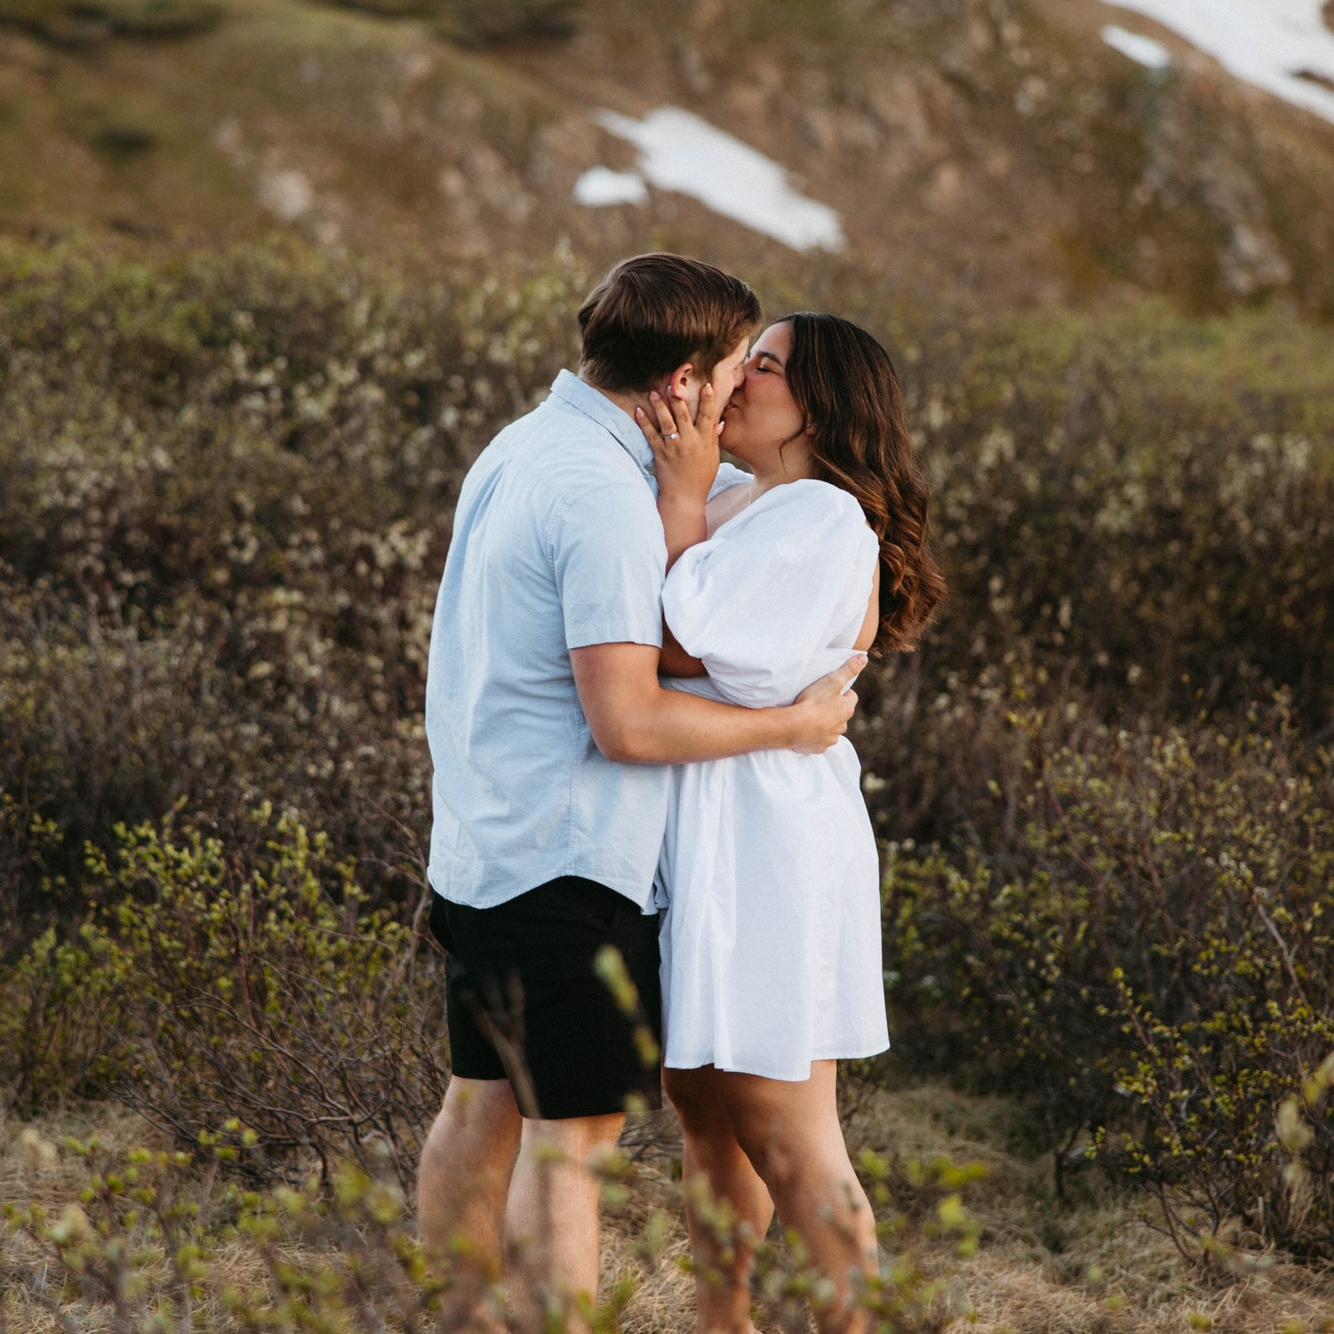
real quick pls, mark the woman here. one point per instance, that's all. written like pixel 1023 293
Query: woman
pixel 771 962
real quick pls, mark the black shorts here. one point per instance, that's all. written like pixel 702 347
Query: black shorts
pixel 526 1004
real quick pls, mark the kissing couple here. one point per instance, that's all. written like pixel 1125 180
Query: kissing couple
pixel 639 683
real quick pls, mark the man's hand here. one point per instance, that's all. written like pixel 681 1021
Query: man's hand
pixel 821 712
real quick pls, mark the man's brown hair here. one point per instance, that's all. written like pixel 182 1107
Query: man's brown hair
pixel 653 313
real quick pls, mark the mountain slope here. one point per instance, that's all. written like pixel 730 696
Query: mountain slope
pixel 992 151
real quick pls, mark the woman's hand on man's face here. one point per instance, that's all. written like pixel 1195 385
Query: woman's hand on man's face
pixel 685 446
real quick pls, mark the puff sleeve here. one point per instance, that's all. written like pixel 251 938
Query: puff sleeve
pixel 776 597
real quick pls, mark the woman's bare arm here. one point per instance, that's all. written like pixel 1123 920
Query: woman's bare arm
pixel 675 661
pixel 684 523
pixel 872 622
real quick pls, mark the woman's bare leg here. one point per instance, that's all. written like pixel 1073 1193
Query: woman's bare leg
pixel 715 1162
pixel 791 1134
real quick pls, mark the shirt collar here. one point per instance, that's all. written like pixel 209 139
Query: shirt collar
pixel 592 403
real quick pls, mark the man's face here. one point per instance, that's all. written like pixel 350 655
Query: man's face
pixel 730 373
pixel 728 376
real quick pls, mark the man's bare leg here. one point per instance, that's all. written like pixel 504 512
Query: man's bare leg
pixel 462 1183
pixel 551 1229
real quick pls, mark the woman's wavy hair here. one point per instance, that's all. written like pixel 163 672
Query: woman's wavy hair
pixel 845 384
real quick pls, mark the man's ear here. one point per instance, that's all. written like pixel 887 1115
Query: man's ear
pixel 678 382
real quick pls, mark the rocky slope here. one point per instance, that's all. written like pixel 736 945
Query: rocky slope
pixel 976 151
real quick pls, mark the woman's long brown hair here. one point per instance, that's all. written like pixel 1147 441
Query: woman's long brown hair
pixel 844 383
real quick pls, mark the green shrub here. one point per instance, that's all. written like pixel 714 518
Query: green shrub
pixel 493 22
pixel 160 1240
pixel 480 22
pixel 26 841
pixel 79 21
pixel 1143 502
pixel 226 503
pixel 212 981
pixel 107 722
pixel 53 1047
pixel 163 1241
pixel 1149 957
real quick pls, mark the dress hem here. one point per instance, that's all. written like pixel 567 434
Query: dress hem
pixel 764 1074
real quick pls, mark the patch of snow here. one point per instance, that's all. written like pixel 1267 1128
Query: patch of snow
pixel 287 193
pixel 601 186
pixel 1265 42
pixel 679 151
pixel 1142 50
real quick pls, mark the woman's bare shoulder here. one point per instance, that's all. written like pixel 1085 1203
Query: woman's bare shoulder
pixel 727 505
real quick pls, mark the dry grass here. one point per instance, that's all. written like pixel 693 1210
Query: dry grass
pixel 1091 1264
pixel 1043 1267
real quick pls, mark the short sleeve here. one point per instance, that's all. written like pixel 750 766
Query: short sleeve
pixel 775 592
pixel 609 556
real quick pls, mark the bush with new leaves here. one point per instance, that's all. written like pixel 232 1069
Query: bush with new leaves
pixel 212 980
pixel 169 1240
pixel 1148 958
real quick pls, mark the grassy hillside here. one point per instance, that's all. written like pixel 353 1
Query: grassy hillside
pixel 990 151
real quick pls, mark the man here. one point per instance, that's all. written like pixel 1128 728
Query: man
pixel 549 732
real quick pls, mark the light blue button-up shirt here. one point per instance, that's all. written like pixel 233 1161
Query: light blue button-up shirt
pixel 557 544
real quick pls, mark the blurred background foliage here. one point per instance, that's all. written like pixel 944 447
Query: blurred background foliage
pixel 229 485
pixel 278 280
pixel 76 22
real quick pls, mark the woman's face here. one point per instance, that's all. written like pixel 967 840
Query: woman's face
pixel 762 417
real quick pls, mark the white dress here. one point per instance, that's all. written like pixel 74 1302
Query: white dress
pixel 771 935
